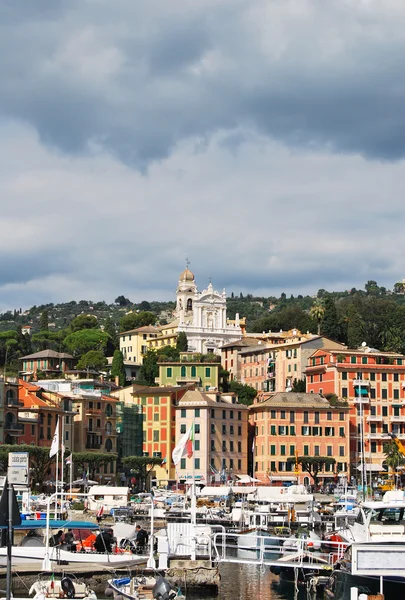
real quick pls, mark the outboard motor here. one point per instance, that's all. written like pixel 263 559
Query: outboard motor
pixel 68 587
pixel 162 590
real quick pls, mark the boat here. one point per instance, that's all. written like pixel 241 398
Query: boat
pixel 34 548
pixel 343 579
pixel 304 539
pixel 137 588
pixel 61 587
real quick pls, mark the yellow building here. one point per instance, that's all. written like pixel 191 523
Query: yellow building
pixel 135 343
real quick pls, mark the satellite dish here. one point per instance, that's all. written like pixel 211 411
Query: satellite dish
pixel 364 344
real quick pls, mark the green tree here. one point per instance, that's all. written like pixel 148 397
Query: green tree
pixel 354 327
pixel 393 457
pixel 122 301
pixel 135 320
pixel 330 325
pixel 299 386
pixel 118 368
pixel 80 342
pixel 84 322
pixel 92 461
pixel 48 340
pixel 246 393
pixel 94 359
pixel 110 328
pixel 317 313
pixel 313 464
pixel 149 370
pixel 44 321
pixel 141 466
pixel 181 344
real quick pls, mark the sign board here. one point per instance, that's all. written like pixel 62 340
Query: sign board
pixel 19 460
pixel 17 475
pixel 378 560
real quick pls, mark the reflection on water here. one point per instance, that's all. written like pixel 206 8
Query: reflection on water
pixel 248 582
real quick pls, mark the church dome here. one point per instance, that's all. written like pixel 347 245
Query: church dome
pixel 186 275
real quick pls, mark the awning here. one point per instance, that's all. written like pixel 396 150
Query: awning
pixel 363 391
pixel 220 491
pixel 372 468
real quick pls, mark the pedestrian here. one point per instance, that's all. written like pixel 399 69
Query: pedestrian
pixel 104 541
pixel 141 540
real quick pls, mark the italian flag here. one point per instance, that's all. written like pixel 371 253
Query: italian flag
pixel 185 447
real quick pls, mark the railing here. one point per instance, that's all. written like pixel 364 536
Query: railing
pixel 9 427
pixel 361 382
pixel 93 446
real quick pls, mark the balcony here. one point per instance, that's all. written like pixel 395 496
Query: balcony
pixel 93 429
pixel 374 418
pixel 93 411
pixel 188 379
pixel 397 419
pixel 13 428
pixel 93 446
pixel 361 383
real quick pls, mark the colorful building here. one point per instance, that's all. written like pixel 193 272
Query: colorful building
pixel 275 367
pixel 373 383
pixel 191 370
pixel 47 362
pixel 288 423
pixel 220 435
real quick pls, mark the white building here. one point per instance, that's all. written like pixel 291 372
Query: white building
pixel 202 316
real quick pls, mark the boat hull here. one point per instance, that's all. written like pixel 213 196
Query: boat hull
pixel 340 583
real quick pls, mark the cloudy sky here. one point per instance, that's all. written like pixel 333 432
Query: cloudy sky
pixel 263 139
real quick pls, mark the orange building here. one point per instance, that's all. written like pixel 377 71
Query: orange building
pixel 373 383
pixel 286 423
pixel 159 425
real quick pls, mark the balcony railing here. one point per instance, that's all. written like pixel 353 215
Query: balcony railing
pixel 13 428
pixel 374 418
pixel 186 379
pixel 397 418
pixel 93 446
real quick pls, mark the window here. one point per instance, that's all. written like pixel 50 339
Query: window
pixel 231 431
pixel 224 414
pixel 292 416
pixel 396 394
pixel 272 450
pixel 341 450
pixel 282 450
pixel 373 411
pixel 231 414
pixel 341 416
pixel 273 414
pixel 305 430
pixel 223 445
pixel 372 393
pixel 282 430
pixel 169 372
pixel 344 392
pixel 196 463
pixel 156 417
pixel 212 446
pixel 223 429
pixel 306 450
pixel 196 412
pixel 183 371
pixel 239 446
pixel 383 376
pixel 344 375
pixel 193 371
pixel 239 430
pixel 208 371
pixel 273 430
pixel 156 436
pixel 385 411
pixel 396 411
pixel 329 451
pixel 196 445
pixel 316 450
pixel 342 431
pixel 373 447
pixel 372 376
pixel 317 431
pixel 292 429
pixel 239 415
pixel 396 376
pixel 329 431
pixel 183 464
pixel 353 359
pixel 292 450
pixel 364 360
pixel 231 448
pixel 273 466
pixel 384 394
pixel 183 428
pixel 239 464
pixel 212 428
pixel 317 418
pixel 329 415
pixel 197 428
pixel 306 419
pixel 212 413
pixel 282 414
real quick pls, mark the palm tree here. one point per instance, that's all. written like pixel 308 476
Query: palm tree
pixel 393 457
pixel 317 313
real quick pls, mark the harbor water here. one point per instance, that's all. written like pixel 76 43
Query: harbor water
pixel 248 582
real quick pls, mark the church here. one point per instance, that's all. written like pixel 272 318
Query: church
pixel 202 316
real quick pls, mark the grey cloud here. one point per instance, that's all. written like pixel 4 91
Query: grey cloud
pixel 136 79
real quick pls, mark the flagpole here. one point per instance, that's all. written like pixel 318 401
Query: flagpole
pixel 71 476
pixel 56 482
pixel 193 501
pixel 62 454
